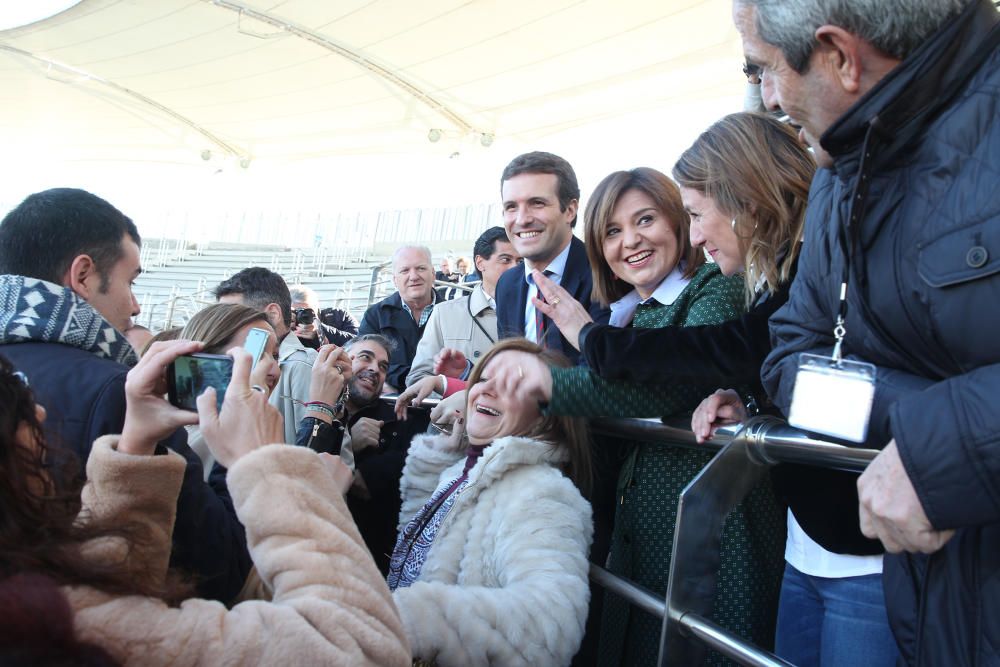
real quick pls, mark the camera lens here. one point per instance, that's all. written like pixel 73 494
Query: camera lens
pixel 305 316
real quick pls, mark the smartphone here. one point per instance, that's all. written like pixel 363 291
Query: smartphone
pixel 255 344
pixel 190 375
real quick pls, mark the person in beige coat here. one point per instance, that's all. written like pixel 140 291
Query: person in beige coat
pixel 330 605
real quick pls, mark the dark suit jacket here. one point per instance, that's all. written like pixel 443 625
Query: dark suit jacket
pixel 512 297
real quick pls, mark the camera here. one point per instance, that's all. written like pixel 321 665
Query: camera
pixel 304 315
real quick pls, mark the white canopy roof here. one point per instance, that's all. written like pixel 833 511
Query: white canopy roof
pixel 165 80
pixel 226 105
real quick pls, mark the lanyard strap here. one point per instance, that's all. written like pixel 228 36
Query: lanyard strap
pixel 847 235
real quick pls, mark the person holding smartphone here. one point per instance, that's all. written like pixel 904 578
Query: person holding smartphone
pixel 219 327
pixel 330 605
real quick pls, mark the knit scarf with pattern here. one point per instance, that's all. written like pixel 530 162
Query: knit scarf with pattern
pixel 37 311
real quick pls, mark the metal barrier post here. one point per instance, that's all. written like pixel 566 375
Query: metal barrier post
pixel 701 514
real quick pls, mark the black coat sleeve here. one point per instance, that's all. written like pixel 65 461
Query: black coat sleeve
pixel 209 542
pixel 726 354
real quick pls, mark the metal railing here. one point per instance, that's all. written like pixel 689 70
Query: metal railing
pixel 745 452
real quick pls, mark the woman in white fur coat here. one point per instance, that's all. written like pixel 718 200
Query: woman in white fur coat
pixel 491 563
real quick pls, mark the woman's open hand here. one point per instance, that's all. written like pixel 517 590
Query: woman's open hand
pixel 564 311
pixel 450 362
pixel 415 394
pixel 520 373
pixel 149 418
pixel 246 422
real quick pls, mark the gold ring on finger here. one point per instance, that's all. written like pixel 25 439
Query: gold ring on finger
pixel 555 301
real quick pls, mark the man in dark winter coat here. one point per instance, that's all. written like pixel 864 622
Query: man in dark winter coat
pixel 904 99
pixel 402 316
pixel 69 259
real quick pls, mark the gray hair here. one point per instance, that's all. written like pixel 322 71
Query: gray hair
pixel 387 343
pixel 303 294
pixel 422 248
pixel 895 27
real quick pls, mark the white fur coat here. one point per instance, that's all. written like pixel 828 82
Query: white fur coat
pixel 505 582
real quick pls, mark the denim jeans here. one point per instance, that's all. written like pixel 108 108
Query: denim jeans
pixel 826 622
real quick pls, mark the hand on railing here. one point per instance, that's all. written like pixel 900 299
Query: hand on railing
pixel 722 408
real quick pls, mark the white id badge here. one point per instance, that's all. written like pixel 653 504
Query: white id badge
pixel 833 397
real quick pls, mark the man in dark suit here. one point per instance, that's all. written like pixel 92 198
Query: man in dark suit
pixel 540 201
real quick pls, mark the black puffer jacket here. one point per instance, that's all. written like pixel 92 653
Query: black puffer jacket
pixel 924 307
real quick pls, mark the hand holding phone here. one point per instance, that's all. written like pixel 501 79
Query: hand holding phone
pixel 246 421
pixel 148 417
pixel 190 375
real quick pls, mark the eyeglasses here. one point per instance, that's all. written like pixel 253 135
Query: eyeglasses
pixel 751 71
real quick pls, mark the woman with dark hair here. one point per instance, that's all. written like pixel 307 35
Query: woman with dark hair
pixel 108 549
pixel 491 562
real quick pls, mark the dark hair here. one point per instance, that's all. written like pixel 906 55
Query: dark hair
pixel 557 430
pixel 39 509
pixel 42 236
pixel 667 198
pixel 486 244
pixel 216 325
pixel 387 343
pixel 259 287
pixel 539 162
pixel 36 626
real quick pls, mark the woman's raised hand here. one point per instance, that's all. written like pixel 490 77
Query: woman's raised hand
pixel 450 362
pixel 723 407
pixel 149 418
pixel 416 393
pixel 246 422
pixel 564 311
pixel 331 370
pixel 520 373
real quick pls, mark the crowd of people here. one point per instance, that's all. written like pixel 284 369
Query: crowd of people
pixel 786 268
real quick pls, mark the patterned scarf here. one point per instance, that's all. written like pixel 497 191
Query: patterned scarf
pixel 36 311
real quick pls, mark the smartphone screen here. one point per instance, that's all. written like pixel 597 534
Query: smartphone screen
pixel 255 344
pixel 190 375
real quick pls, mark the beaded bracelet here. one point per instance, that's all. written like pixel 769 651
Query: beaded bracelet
pixel 321 408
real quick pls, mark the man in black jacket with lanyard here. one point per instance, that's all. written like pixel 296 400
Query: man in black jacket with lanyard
pixel 900 270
